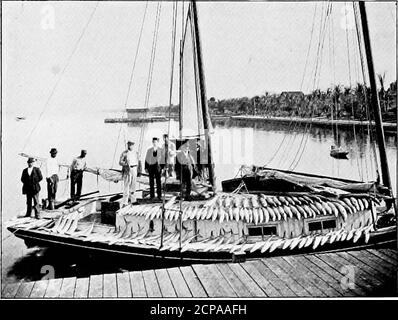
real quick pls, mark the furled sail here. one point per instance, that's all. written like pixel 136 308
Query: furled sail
pixel 191 117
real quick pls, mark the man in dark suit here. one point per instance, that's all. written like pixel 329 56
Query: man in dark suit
pixel 31 177
pixel 152 167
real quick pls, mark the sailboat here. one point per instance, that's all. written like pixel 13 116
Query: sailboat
pixel 336 152
pixel 265 212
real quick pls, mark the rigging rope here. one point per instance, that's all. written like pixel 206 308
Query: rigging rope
pixel 131 79
pixel 150 73
pixel 47 103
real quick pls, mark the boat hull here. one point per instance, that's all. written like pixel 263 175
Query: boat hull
pixel 382 237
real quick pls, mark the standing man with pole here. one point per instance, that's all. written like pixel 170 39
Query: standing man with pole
pixel 52 178
pixel 76 176
pixel 129 162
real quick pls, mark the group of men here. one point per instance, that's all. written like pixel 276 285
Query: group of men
pixel 157 159
pixel 31 177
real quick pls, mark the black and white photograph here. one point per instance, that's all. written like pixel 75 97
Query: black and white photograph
pixel 182 151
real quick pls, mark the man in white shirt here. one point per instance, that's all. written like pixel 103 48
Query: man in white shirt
pixel 129 162
pixel 168 155
pixel 76 176
pixel 52 178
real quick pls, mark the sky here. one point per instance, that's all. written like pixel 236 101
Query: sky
pixel 50 65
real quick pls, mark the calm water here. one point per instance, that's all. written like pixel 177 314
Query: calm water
pixel 278 146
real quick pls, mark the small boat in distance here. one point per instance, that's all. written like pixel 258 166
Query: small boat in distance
pixel 20 118
pixel 338 152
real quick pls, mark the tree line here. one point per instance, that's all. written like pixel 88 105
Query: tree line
pixel 339 102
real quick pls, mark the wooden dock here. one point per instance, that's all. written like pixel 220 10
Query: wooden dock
pixel 364 273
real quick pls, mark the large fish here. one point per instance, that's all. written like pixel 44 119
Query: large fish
pixel 355 203
pixel 276 244
pixel 283 200
pixel 246 203
pixel 211 202
pixel 309 211
pixel 296 200
pixel 289 212
pixel 276 213
pixel 270 201
pixel 361 205
pixel 341 210
pixel 210 212
pixel 334 209
pixel 227 201
pixel 308 199
pixel 295 212
pixel 220 201
pixel 267 245
pixel 247 214
pixel 290 200
pixel 294 242
pixel 237 201
pixel 287 243
pixel 236 213
pixel 357 235
pixel 317 242
pixel 302 211
pixel 257 246
pixel 282 212
pixel 265 214
pixel 216 212
pixel 231 213
pixel 302 242
pixel 320 208
pixel 315 209
pixel 309 241
pixel 365 203
pixel 325 238
pixel 255 201
pixel 274 216
pixel 263 201
pixel 327 208
pixel 276 200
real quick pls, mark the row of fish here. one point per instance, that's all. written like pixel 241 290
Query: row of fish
pixel 28 223
pixel 252 208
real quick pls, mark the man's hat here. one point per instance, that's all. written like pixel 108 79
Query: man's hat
pixel 84 151
pixel 53 150
pixel 155 139
pixel 30 160
pixel 129 143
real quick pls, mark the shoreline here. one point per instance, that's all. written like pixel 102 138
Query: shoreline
pixel 323 122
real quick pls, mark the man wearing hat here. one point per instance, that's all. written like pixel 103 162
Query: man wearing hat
pixel 152 167
pixel 31 177
pixel 129 162
pixel 52 178
pixel 76 175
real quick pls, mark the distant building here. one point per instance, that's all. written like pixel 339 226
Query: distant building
pixel 293 94
pixel 134 113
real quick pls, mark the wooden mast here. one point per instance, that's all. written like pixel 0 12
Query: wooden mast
pixel 375 99
pixel 202 86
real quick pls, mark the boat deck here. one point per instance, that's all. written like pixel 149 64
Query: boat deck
pixel 363 273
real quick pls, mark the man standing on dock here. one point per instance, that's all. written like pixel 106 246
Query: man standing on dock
pixel 52 178
pixel 76 175
pixel 31 177
pixel 152 167
pixel 129 162
pixel 168 155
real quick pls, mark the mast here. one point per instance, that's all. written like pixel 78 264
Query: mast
pixel 202 86
pixel 375 99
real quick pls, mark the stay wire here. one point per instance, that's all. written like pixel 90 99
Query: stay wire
pixel 131 79
pixel 69 59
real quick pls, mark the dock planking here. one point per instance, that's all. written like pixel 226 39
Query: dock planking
pixel 123 285
pixel 166 287
pixel 179 284
pixel 82 287
pixel 137 284
pixel 311 275
pixel 67 288
pixel 95 286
